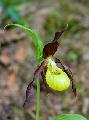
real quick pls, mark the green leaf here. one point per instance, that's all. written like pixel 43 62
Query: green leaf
pixel 35 38
pixel 70 117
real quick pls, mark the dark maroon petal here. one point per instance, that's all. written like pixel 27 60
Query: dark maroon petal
pixel 51 48
pixel 68 72
pixel 40 69
pixel 57 35
pixel 58 63
pixel 29 91
pixel 74 88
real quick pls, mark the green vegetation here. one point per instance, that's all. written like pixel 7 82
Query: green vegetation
pixel 54 21
pixel 75 43
pixel 72 56
pixel 38 44
pixel 70 117
pixel 11 13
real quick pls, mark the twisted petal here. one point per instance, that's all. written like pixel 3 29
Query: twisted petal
pixel 68 72
pixel 37 73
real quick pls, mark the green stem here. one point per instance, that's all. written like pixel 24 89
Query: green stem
pixel 38 101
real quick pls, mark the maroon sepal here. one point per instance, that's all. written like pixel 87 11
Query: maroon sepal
pixel 51 48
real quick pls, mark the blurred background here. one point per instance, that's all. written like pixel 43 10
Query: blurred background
pixel 18 58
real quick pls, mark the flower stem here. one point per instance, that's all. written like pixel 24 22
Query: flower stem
pixel 38 101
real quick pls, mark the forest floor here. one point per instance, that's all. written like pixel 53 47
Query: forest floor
pixel 17 58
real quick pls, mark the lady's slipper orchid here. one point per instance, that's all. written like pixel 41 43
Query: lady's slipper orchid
pixel 55 77
pixel 52 72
